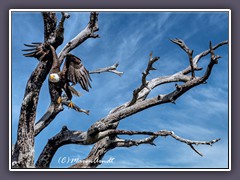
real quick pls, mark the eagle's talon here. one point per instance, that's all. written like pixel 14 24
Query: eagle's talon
pixel 59 100
pixel 70 104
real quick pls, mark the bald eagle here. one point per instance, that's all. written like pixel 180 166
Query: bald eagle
pixel 72 72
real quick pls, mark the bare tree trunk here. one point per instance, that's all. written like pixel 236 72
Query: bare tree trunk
pixel 23 155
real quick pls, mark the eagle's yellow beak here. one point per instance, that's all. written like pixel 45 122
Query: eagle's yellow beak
pixel 51 76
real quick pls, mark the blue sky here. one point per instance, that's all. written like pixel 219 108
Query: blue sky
pixel 128 38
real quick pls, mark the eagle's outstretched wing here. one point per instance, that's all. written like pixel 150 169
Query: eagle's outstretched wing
pixel 75 72
pixel 37 50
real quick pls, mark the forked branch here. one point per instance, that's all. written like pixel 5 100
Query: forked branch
pixel 189 52
pixel 144 79
pixel 88 32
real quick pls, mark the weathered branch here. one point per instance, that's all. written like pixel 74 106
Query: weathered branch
pixel 59 32
pixel 180 76
pixel 54 34
pixel 52 112
pixel 50 23
pixel 77 137
pixel 165 133
pixel 200 56
pixel 119 142
pixel 47 118
pixel 126 111
pixel 105 145
pixel 75 107
pixel 62 138
pixel 23 154
pixel 189 52
pixel 88 32
pixel 112 69
pixel 144 81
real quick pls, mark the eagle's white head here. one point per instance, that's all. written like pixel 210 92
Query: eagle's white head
pixel 54 77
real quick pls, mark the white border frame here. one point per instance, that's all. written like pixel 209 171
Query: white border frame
pixel 120 10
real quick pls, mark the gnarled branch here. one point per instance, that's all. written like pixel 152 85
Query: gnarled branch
pixel 88 32
pixel 144 81
pixel 115 115
pixel 75 107
pixel 180 76
pixel 189 52
pixel 47 118
pixel 50 23
pixel 104 123
pixel 77 137
pixel 53 33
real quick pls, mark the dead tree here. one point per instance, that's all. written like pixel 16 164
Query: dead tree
pixel 104 132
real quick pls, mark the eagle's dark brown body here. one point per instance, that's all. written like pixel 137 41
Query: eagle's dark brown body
pixel 73 71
